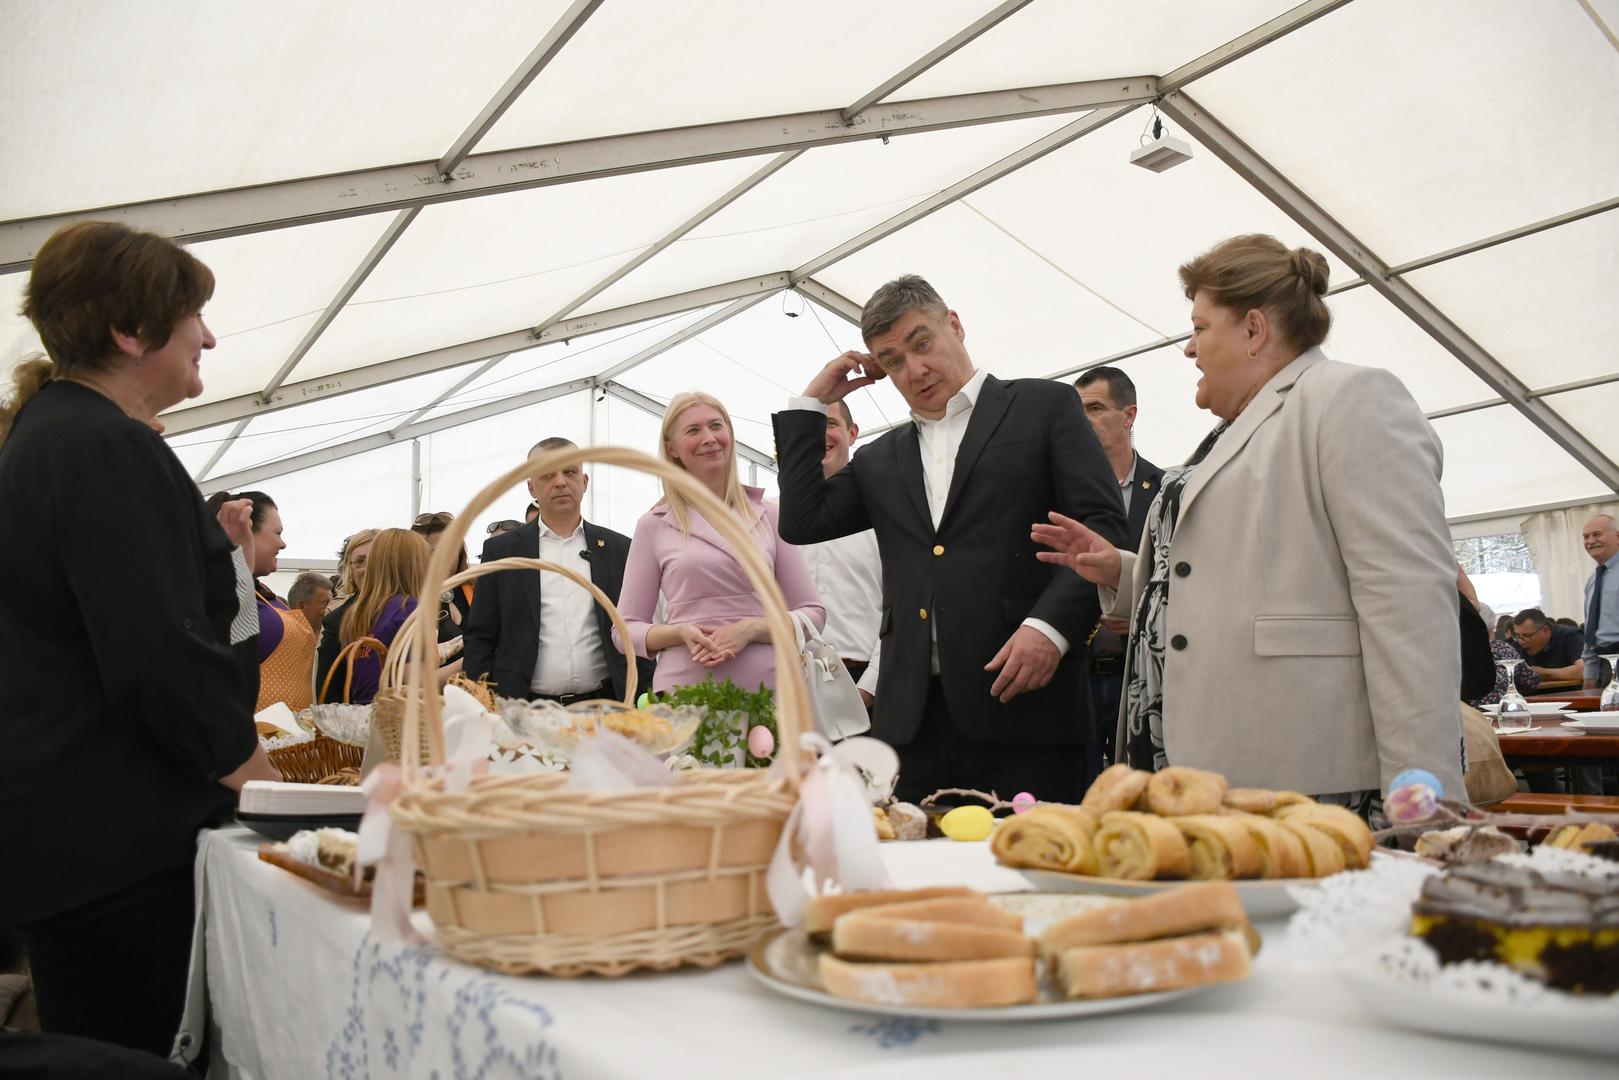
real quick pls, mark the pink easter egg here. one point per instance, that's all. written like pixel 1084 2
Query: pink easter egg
pixel 1023 801
pixel 761 743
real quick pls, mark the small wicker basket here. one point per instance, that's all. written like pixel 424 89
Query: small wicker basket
pixel 525 874
pixel 312 761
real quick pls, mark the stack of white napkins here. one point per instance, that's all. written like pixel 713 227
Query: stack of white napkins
pixel 278 797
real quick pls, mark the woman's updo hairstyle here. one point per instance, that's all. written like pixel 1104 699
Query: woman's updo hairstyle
pixel 1258 271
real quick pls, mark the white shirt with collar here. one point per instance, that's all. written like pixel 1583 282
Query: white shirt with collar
pixel 940 441
pixel 848 573
pixel 570 660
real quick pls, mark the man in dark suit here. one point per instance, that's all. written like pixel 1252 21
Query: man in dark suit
pixel 982 644
pixel 1109 398
pixel 540 635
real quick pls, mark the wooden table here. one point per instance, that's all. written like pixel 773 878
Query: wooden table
pixel 1561 684
pixel 1552 744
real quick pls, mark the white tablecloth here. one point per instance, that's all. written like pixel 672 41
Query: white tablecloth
pixel 300 989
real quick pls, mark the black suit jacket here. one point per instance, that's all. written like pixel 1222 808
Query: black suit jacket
pixel 1028 449
pixel 1144 489
pixel 121 705
pixel 502 635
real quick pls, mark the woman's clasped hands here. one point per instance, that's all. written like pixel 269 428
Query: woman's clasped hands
pixel 712 646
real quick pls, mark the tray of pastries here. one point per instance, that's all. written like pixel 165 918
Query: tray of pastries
pixel 1137 832
pixel 954 953
pixel 326 857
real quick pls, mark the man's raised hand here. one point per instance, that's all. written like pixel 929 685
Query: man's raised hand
pixel 842 377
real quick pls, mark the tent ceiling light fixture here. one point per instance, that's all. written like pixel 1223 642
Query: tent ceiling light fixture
pixel 1161 151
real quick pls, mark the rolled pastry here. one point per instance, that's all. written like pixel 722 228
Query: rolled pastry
pixel 1340 823
pixel 1140 847
pixel 966 910
pixel 962 984
pixel 1049 836
pixel 1117 788
pixel 860 935
pixel 1186 909
pixel 1251 800
pixel 823 910
pixel 1219 846
pixel 1095 971
pixel 1177 791
pixel 1281 853
pixel 1326 857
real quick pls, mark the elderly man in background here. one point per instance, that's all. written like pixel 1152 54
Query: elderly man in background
pixel 1109 398
pixel 1601 539
pixel 848 571
pixel 310 594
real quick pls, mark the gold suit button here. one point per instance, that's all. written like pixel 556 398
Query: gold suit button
pixel 923 613
pixel 938 549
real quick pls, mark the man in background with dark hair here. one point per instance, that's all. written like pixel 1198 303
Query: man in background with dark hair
pixel 1553 650
pixel 1109 398
pixel 982 643
pixel 539 635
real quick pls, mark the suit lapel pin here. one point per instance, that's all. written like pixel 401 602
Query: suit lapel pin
pixel 1146 485
pixel 601 543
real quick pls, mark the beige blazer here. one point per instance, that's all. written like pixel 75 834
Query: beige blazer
pixel 1312 640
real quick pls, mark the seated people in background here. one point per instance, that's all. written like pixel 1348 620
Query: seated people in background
pixel 125 722
pixel 1342 579
pixel 393 576
pixel 715 622
pixel 286 640
pixel 535 634
pixel 1525 678
pixel 311 594
pixel 1553 651
pixel 1503 631
pixel 848 572
pixel 1601 539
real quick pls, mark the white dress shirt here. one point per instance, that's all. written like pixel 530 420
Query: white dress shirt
pixel 848 573
pixel 940 441
pixel 571 660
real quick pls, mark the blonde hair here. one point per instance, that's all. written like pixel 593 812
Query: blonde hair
pixel 734 498
pixel 345 563
pixel 1259 271
pixel 397 567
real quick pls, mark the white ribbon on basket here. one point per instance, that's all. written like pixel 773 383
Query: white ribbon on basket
pixel 829 843
pixel 468 730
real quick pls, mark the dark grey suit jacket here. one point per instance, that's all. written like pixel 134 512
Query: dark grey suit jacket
pixel 1028 449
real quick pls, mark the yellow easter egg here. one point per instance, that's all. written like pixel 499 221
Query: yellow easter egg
pixel 967 823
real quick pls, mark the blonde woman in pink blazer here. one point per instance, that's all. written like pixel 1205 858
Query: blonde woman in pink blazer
pixel 715 622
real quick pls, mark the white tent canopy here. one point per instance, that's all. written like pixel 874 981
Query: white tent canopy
pixel 441 234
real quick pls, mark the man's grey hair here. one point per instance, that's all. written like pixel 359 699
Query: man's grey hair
pixel 1119 385
pixel 305 587
pixel 1613 522
pixel 893 300
pixel 555 442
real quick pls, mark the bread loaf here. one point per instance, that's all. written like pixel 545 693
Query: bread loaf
pixel 823 910
pixel 962 984
pixel 863 936
pixel 1187 909
pixel 1098 971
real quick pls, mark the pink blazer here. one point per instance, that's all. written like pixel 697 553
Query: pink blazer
pixel 702 583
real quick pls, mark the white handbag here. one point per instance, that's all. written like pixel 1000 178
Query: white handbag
pixel 838 708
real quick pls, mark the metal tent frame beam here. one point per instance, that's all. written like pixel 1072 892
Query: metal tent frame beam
pixel 977 29
pixel 346 382
pixel 238 211
pixel 1379 275
pixel 653 407
pixel 831 300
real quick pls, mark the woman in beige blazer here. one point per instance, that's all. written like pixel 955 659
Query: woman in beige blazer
pixel 1293 601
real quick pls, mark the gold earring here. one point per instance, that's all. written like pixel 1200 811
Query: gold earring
pixel 1251 355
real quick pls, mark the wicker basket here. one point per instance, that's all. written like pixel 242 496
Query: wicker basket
pixel 526 875
pixel 313 761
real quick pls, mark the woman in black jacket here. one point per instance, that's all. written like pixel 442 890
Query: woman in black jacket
pixel 124 714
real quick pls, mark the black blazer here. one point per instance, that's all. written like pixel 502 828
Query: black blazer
pixel 501 638
pixel 120 706
pixel 1028 449
pixel 1145 490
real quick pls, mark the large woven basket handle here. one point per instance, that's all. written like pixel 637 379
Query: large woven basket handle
pixel 346 656
pixel 398 663
pixel 792 696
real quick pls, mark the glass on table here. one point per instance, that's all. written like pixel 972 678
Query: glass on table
pixel 1513 713
pixel 1610 693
